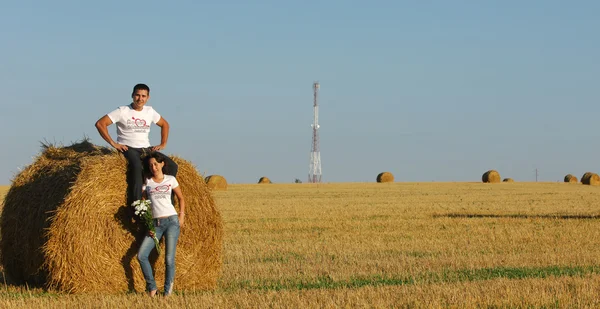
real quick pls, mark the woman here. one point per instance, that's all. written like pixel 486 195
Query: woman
pixel 167 222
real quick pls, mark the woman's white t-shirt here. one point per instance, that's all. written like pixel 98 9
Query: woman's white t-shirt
pixel 160 196
pixel 133 127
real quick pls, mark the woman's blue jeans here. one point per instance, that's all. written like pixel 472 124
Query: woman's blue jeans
pixel 169 227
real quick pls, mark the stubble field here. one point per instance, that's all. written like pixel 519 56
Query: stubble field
pixel 390 245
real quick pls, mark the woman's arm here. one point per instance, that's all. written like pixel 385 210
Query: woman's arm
pixel 181 205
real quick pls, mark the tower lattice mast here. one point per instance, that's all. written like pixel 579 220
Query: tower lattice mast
pixel 314 174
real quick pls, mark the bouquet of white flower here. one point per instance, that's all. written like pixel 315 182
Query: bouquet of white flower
pixel 143 210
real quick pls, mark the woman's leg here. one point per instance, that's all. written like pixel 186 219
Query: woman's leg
pixel 171 237
pixel 145 249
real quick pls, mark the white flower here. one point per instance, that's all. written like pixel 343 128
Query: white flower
pixel 137 212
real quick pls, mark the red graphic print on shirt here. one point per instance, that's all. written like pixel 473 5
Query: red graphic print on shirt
pixel 160 192
pixel 139 122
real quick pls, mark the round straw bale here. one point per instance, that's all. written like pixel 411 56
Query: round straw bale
pixel 491 176
pixel 264 180
pixel 586 175
pixel 590 178
pixel 570 178
pixel 216 182
pixel 508 180
pixel 385 177
pixel 65 225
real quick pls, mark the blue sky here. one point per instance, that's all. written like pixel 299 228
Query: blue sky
pixel 430 91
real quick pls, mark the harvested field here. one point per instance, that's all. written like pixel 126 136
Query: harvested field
pixel 3 190
pixel 403 244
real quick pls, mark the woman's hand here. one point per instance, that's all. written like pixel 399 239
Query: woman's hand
pixel 181 219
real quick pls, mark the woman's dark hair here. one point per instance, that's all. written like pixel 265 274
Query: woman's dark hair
pixel 159 157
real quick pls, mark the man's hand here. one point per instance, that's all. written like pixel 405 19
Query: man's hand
pixel 159 147
pixel 181 219
pixel 121 148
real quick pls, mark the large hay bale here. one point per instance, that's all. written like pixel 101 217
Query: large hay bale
pixel 491 176
pixel 591 179
pixel 216 182
pixel 66 225
pixel 508 180
pixel 385 177
pixel 570 178
pixel 264 180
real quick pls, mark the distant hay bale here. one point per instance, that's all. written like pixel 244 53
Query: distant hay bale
pixel 216 182
pixel 65 226
pixel 591 179
pixel 385 177
pixel 264 180
pixel 491 176
pixel 570 178
pixel 586 175
pixel 508 180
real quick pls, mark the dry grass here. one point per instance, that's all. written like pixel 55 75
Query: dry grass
pixel 3 190
pixel 406 244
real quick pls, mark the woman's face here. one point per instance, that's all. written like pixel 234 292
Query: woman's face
pixel 155 166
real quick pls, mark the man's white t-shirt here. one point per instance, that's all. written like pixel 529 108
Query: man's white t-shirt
pixel 133 127
pixel 160 196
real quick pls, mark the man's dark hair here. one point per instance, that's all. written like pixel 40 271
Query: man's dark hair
pixel 140 87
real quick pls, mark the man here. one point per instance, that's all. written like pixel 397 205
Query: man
pixel 133 129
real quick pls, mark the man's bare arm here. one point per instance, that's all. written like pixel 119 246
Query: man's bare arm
pixel 102 126
pixel 164 134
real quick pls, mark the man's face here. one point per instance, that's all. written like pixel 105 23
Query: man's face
pixel 140 97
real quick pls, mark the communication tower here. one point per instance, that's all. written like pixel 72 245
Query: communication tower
pixel 314 173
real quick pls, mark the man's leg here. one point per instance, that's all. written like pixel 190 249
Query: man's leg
pixel 171 169
pixel 135 181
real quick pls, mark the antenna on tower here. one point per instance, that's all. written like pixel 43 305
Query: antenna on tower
pixel 314 169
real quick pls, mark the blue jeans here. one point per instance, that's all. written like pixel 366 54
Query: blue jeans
pixel 169 227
